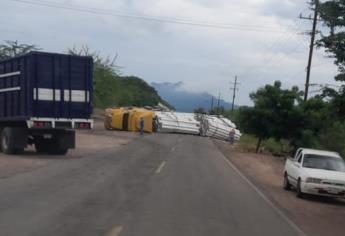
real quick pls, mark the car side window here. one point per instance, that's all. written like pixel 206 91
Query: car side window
pixel 298 153
pixel 298 157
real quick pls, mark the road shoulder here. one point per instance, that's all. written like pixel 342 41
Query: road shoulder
pixel 315 216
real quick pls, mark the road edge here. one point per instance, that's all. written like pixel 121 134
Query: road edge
pixel 262 195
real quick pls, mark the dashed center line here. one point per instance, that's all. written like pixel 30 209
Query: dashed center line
pixel 115 231
pixel 160 167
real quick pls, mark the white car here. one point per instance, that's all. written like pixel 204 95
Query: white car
pixel 315 172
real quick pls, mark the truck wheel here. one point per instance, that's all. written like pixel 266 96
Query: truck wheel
pixel 299 194
pixel 8 140
pixel 286 184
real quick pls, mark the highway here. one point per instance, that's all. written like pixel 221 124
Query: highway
pixel 158 185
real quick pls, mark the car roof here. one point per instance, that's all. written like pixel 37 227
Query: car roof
pixel 320 152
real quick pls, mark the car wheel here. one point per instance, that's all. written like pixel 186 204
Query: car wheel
pixel 299 194
pixel 286 183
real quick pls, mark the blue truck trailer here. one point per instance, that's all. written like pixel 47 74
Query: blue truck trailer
pixel 44 98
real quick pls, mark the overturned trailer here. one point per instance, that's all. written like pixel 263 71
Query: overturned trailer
pixel 197 124
pixel 170 122
pixel 176 122
pixel 218 127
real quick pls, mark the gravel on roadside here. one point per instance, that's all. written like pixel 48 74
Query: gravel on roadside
pixel 316 216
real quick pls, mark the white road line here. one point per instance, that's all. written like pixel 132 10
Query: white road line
pixel 160 167
pixel 263 196
pixel 115 231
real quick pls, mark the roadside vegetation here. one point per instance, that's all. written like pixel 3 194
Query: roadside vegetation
pixel 113 89
pixel 281 121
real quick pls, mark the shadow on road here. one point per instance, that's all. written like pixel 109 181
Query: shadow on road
pixel 32 154
pixel 325 200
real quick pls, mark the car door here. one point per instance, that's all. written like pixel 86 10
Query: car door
pixel 295 168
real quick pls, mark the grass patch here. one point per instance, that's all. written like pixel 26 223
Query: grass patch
pixel 277 148
pixel 248 142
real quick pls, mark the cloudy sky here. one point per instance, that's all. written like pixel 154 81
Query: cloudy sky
pixel 259 40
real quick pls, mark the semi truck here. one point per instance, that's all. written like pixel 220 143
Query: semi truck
pixel 44 98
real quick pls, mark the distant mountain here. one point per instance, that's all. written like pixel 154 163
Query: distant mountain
pixel 185 101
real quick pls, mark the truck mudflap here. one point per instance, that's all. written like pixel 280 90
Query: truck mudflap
pixel 53 141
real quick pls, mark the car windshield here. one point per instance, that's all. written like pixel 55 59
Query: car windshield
pixel 323 162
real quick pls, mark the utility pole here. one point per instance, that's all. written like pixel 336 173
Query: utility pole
pixel 311 48
pixel 234 89
pixel 211 103
pixel 218 103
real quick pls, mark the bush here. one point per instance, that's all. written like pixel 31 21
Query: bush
pixel 248 142
pixel 307 139
pixel 333 138
pixel 278 148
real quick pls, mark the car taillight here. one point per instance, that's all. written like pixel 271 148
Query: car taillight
pixel 82 125
pixel 42 124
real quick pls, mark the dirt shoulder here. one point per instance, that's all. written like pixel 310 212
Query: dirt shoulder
pixel 315 215
pixel 87 143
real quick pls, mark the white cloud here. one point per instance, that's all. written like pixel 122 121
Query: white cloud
pixel 204 58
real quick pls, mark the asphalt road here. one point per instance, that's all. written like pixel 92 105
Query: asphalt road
pixel 156 185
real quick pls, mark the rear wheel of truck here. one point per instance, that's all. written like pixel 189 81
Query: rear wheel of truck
pixel 8 141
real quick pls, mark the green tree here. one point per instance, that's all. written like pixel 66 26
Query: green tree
pixel 111 89
pixel 253 120
pixel 273 112
pixel 217 110
pixel 200 110
pixel 12 49
pixel 315 117
pixel 332 13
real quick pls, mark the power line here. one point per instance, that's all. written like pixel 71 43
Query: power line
pixel 149 18
pixel 291 51
pixel 286 37
pixel 267 62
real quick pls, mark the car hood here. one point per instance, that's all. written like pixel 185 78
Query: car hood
pixel 325 174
